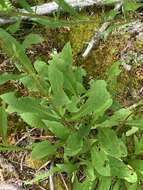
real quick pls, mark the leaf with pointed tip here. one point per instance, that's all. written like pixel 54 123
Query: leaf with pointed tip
pixel 57 129
pixel 25 5
pixel 136 123
pixel 131 5
pixel 15 51
pixel 31 39
pixel 7 77
pixel 99 100
pixel 73 77
pixel 117 118
pixel 57 80
pixel 32 120
pixel 67 8
pixel 138 145
pixel 26 104
pixel 43 149
pixel 67 167
pixel 42 68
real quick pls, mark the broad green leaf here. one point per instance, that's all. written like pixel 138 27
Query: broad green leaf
pixel 42 150
pixel 109 140
pixel 73 77
pixel 98 101
pixel 66 55
pixel 26 104
pixel 116 119
pixel 50 22
pixel 121 170
pixel 104 183
pixel 67 167
pixel 110 1
pixel 42 68
pixel 6 148
pixel 67 8
pixel 86 185
pixel 6 77
pixel 131 131
pixel 58 129
pixel 3 124
pixel 32 120
pixel 89 171
pixel 73 145
pixel 14 27
pixel 15 51
pixel 29 83
pixel 138 145
pixel 56 80
pixel 136 123
pixel 42 176
pixel 5 5
pixel 25 5
pixel 84 130
pixel 137 165
pixel 72 106
pixel 131 5
pixel 31 39
pixel 132 186
pixel 100 161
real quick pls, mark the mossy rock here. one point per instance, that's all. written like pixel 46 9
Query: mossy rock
pixel 81 33
pixel 119 42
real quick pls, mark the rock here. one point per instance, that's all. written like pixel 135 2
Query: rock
pixel 7 186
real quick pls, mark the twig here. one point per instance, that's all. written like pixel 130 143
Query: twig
pixel 42 188
pixel 21 161
pixel 48 8
pixel 44 165
pixel 51 183
pixel 64 182
pixel 24 136
pixel 96 38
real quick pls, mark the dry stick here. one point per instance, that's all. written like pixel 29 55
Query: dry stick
pixel 51 183
pixel 62 178
pixel 48 8
pixel 97 37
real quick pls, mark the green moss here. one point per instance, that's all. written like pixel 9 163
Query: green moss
pixel 102 57
pixel 81 34
pixel 59 185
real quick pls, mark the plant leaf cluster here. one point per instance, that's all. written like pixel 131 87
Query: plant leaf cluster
pixel 88 138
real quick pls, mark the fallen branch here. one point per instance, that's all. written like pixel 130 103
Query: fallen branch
pixel 48 8
pixel 98 35
pixel 51 7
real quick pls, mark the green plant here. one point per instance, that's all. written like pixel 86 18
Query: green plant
pixel 92 132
